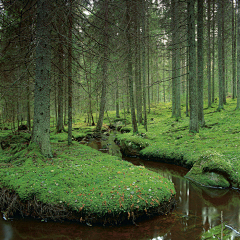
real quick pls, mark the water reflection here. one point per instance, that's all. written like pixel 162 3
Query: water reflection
pixel 198 209
pixel 7 232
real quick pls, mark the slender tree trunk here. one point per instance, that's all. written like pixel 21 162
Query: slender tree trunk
pixel 223 53
pixel 60 126
pixel 144 65
pixel 117 100
pixel 178 64
pixel 220 56
pixel 70 92
pixel 176 89
pixel 65 87
pixel 238 54
pixel 200 62
pixel 148 61
pixel 209 55
pixel 105 70
pixel 41 124
pixel 187 87
pixel 140 91
pixel 234 92
pixel 137 64
pixel 174 26
pixel 213 54
pixel 163 71
pixel 28 106
pixel 129 60
pixel 193 127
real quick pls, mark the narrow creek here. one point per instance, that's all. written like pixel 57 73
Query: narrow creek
pixel 198 209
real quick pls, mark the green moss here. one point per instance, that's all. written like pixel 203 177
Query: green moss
pixel 86 181
pixel 215 233
pixel 217 170
pixel 170 141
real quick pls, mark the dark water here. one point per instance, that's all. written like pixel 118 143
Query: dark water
pixel 198 209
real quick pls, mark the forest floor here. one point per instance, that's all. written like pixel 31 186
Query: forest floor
pixel 212 154
pixel 78 183
pixel 83 184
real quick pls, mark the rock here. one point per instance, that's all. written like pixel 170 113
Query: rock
pixel 210 179
pixel 210 171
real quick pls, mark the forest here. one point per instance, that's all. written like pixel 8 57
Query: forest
pixel 160 77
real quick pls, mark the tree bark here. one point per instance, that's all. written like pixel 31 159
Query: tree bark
pixel 176 86
pixel 60 126
pixel 137 64
pixel 117 100
pixel 70 92
pixel 200 62
pixel 223 53
pixel 220 56
pixel 144 65
pixel 104 69
pixel 129 61
pixel 28 105
pixel 234 92
pixel 193 103
pixel 209 55
pixel 238 54
pixel 41 124
pixel 213 53
pixel 187 85
pixel 174 26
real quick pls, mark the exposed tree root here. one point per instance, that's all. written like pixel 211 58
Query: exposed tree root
pixel 11 204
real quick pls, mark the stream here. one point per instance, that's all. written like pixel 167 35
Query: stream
pixel 198 209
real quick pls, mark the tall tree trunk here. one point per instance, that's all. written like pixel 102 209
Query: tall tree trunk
pixel 28 105
pixel 70 92
pixel 193 126
pixel 220 56
pixel 234 92
pixel 209 55
pixel 223 53
pixel 60 126
pixel 129 60
pixel 187 85
pixel 238 54
pixel 137 64
pixel 200 62
pixel 41 123
pixel 148 61
pixel 144 65
pixel 213 53
pixel 174 29
pixel 104 69
pixel 176 88
pixel 117 100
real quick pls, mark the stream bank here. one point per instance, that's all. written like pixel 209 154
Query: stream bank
pixel 211 169
pixel 198 210
pixel 79 183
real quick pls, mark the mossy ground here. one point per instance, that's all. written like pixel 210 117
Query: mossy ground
pixel 215 148
pixel 218 232
pixel 96 187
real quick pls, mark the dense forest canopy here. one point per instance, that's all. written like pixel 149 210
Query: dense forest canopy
pixel 60 59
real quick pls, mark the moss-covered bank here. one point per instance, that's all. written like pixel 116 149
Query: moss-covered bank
pixel 212 154
pixel 80 183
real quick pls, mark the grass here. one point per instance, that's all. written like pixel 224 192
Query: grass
pixel 215 148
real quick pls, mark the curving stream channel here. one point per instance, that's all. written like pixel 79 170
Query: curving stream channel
pixel 198 209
